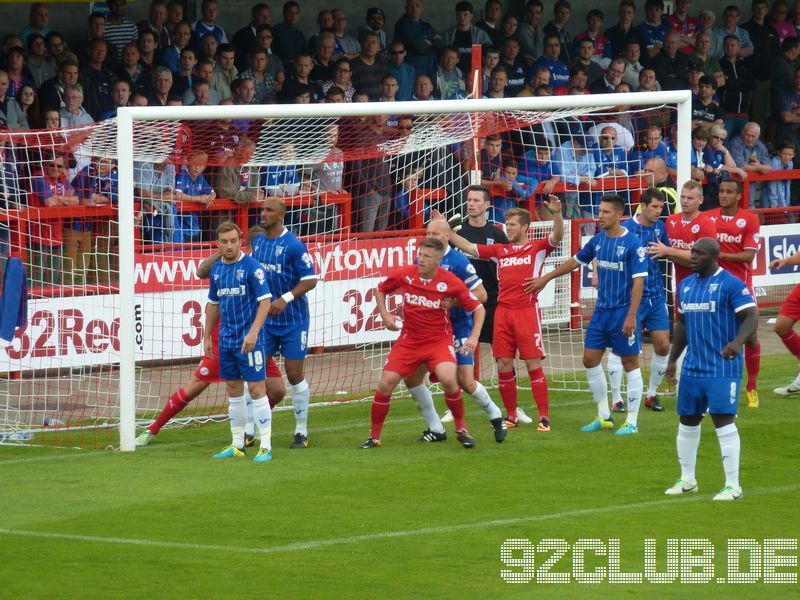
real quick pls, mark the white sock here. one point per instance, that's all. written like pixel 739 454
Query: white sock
pixel 635 385
pixel 481 396
pixel 688 441
pixel 597 384
pixel 615 371
pixel 730 447
pixel 422 396
pixel 263 421
pixel 300 400
pixel 796 381
pixel 249 429
pixel 237 411
pixel 658 366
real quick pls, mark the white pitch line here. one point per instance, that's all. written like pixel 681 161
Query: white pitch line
pixel 382 535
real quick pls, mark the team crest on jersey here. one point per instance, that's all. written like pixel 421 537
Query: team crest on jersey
pixel 713 288
pixel 278 251
pixel 307 260
pixel 470 269
pixel 239 274
pixel 756 237
pixel 745 292
pixel 441 286
pixel 489 241
pixel 741 222
pixel 695 228
pixel 620 250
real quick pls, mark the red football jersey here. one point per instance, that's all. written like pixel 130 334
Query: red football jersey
pixel 424 315
pixel 683 234
pixel 515 264
pixel 736 234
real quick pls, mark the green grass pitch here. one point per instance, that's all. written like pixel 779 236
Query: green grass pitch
pixel 405 520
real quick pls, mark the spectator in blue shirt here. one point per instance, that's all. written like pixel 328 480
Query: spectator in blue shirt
pixel 653 28
pixel 559 71
pixel 777 194
pixel 191 186
pixel 403 72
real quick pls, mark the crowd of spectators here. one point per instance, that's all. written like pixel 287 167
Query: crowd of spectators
pixel 743 74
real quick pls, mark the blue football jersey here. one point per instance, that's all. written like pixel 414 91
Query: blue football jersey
pixel 619 261
pixel 654 284
pixel 286 262
pixel 709 306
pixel 461 267
pixel 237 288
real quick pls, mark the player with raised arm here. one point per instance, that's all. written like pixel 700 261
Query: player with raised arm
pixel 646 224
pixel 290 275
pixel 459 265
pixel 239 298
pixel 622 268
pixel 737 234
pixel 426 337
pixel 207 372
pixel 518 319
pixel 788 315
pixel 716 314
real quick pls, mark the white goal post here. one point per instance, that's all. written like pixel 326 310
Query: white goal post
pixel 129 148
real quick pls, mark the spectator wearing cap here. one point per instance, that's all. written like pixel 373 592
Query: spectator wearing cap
pixel 403 72
pixel 464 34
pixel 376 19
pixel 739 84
pixel 601 46
pixel 670 65
pixel 706 112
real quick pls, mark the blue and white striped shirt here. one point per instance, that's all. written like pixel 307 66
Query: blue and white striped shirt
pixel 460 266
pixel 709 306
pixel 238 288
pixel 654 284
pixel 619 261
pixel 286 262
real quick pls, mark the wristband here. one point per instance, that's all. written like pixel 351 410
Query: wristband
pixel 287 297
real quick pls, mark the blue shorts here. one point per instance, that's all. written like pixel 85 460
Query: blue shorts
pixel 605 331
pixel 291 340
pixel 235 365
pixel 720 395
pixel 652 314
pixel 460 334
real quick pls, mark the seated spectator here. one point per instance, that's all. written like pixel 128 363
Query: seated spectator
pixel 610 158
pixel 170 57
pixel 367 67
pixel 657 172
pixel 738 87
pixel 632 54
pixel 789 111
pixel 133 72
pixel 585 58
pixel 515 67
pixel 204 72
pixel 154 185
pixel 624 31
pixel 119 31
pixel 73 114
pixel 778 20
pixel 208 22
pixel 508 27
pixel 706 112
pixel 97 184
pixel 509 191
pixel 648 81
pixel 559 72
pixel 778 194
pixel 541 78
pixel 537 167
pixel 39 67
pixel 407 183
pixel 671 65
pixel 702 159
pixel 750 154
pixel 577 167
pixel 489 60
pixel 28 101
pixel 722 157
pixel 323 56
pixel 49 188
pixel 611 79
pixel 289 39
pixel 600 44
pixel 120 95
pixel 335 95
pixel 38 21
pixel 403 71
pixel 51 119
pixel 56 48
pixel 235 180
pixel 225 72
pixel 284 179
pixel 191 187
pixel 162 84
pixel 684 25
pixel 491 22
pixel 449 78
pixel 653 147
pixel 577 79
pixel 423 88
pixel 623 137
pixel 156 23
pixel 275 66
pixel 558 27
pixel 301 77
pixel 654 28
pixel 730 26
pixel 389 92
pixel 498 83
pixel 265 85
pixel 342 74
pixel 207 50
pixel 464 34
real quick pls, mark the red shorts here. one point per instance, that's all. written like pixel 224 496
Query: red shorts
pixel 518 329
pixel 791 306
pixel 208 370
pixel 406 356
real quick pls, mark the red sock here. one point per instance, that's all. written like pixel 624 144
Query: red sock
pixel 539 391
pixel 380 408
pixel 456 405
pixel 176 403
pixel 752 360
pixel 792 342
pixel 508 392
